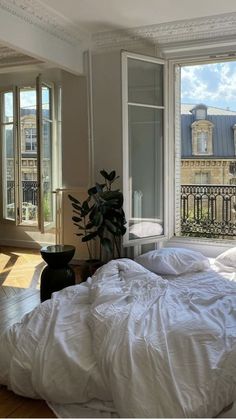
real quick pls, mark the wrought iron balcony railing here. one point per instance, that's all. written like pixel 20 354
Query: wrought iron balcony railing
pixel 29 191
pixel 208 210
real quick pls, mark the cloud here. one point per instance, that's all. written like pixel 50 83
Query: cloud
pixel 213 84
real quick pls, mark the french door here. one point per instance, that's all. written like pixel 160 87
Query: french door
pixel 144 148
pixel 26 118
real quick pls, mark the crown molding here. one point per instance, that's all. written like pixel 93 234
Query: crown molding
pixel 168 34
pixel 10 58
pixel 37 13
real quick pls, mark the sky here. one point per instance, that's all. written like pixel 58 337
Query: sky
pixel 27 100
pixel 211 84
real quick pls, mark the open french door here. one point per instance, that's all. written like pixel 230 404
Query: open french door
pixel 9 154
pixel 145 172
pixel 44 143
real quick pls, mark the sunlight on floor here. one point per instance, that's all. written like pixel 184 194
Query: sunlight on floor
pixel 20 268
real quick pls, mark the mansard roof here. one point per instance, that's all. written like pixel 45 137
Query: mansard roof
pixel 223 133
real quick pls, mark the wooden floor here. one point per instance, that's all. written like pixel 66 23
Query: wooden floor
pixel 19 293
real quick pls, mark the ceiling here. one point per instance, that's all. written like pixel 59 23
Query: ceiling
pixel 101 15
pixel 105 23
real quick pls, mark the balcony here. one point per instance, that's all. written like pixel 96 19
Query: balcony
pixel 208 211
pixel 29 191
pixel 29 199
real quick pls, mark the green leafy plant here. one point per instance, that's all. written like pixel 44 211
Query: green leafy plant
pixel 101 216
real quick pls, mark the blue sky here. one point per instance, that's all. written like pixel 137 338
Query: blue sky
pixel 211 84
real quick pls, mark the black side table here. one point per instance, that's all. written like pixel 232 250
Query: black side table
pixel 57 274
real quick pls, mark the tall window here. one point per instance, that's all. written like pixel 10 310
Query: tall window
pixel 26 173
pixel 143 140
pixel 8 154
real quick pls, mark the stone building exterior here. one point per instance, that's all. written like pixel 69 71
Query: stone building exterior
pixel 208 172
pixel 208 141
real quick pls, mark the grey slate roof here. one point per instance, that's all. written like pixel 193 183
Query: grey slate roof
pixel 223 134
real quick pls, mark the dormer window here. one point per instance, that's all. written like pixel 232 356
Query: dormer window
pixel 202 137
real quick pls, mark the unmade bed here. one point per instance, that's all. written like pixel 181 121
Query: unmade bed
pixel 131 342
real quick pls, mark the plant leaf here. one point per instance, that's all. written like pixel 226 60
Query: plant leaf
pixel 107 244
pixel 77 207
pixel 73 199
pixel 92 191
pixel 112 175
pixel 89 236
pixel 77 219
pixel 104 174
pixel 110 226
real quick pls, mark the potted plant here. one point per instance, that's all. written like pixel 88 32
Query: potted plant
pixel 101 217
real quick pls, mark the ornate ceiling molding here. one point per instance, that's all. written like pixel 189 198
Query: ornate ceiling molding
pixel 37 13
pixel 200 29
pixel 210 28
pixel 10 57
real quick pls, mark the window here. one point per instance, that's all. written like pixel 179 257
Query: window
pixel 201 178
pixel 30 139
pixel 202 142
pixel 26 173
pixel 185 187
pixel 143 141
pixel 202 137
pixel 207 188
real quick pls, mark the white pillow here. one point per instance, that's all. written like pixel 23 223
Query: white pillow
pixel 226 261
pixel 145 229
pixel 173 261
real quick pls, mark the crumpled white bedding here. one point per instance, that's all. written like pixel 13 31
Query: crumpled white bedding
pixel 130 342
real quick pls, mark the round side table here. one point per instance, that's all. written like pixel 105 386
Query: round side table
pixel 57 274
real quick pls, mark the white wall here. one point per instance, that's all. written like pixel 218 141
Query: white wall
pixel 75 152
pixel 107 110
pixel 106 71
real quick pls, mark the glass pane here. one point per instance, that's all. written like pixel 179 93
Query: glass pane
pixel 27 102
pixel 8 173
pixel 145 172
pixel 8 108
pixel 47 171
pixel 46 102
pixel 29 157
pixel 145 82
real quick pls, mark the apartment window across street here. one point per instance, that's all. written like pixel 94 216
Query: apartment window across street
pixel 201 178
pixel 30 139
pixel 202 142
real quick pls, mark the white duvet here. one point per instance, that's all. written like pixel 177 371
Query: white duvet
pixel 130 342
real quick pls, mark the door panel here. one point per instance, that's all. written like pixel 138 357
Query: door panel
pixel 143 147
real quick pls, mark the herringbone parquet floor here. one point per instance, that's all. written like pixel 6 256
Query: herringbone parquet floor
pixel 20 271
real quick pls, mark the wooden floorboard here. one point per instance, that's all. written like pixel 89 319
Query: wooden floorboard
pixel 20 271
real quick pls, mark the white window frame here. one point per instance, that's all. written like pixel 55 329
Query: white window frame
pixel 125 125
